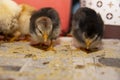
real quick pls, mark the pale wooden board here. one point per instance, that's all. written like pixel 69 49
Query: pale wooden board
pixel 20 61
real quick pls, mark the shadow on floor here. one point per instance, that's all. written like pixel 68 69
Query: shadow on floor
pixel 113 62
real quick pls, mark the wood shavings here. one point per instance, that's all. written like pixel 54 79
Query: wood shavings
pixel 41 77
pixel 65 62
pixel 33 56
pixel 95 64
pixel 56 64
pixel 28 55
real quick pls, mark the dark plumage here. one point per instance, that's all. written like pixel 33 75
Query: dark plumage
pixel 87 28
pixel 45 25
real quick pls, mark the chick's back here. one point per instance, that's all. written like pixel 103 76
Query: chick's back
pixel 88 21
pixel 24 18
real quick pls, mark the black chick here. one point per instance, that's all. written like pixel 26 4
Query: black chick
pixel 87 28
pixel 45 25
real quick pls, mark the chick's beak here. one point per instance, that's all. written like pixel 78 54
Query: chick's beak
pixel 45 37
pixel 88 42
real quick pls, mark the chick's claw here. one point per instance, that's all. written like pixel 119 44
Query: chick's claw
pixel 77 49
pixel 51 48
pixel 13 38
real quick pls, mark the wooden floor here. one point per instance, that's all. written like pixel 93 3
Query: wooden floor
pixel 20 61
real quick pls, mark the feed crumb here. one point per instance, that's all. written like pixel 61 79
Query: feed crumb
pixel 79 66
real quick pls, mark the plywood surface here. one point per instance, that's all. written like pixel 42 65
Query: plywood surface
pixel 20 61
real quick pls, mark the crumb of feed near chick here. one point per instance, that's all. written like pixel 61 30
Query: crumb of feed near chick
pixel 35 57
pixel 54 75
pixel 95 64
pixel 41 77
pixel 20 50
pixel 55 64
pixel 108 53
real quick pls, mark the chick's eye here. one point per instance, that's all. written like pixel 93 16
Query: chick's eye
pixel 38 31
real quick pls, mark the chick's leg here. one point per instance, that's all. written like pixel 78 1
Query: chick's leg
pixel 5 39
pixel 13 38
pixel 51 46
pixel 76 45
pixel 16 35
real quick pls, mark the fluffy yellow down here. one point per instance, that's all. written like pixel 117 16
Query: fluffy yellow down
pixel 9 12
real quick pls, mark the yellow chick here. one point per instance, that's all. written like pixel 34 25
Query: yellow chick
pixel 24 18
pixel 9 13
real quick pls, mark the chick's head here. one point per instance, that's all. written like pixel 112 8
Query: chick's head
pixel 43 28
pixel 91 41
